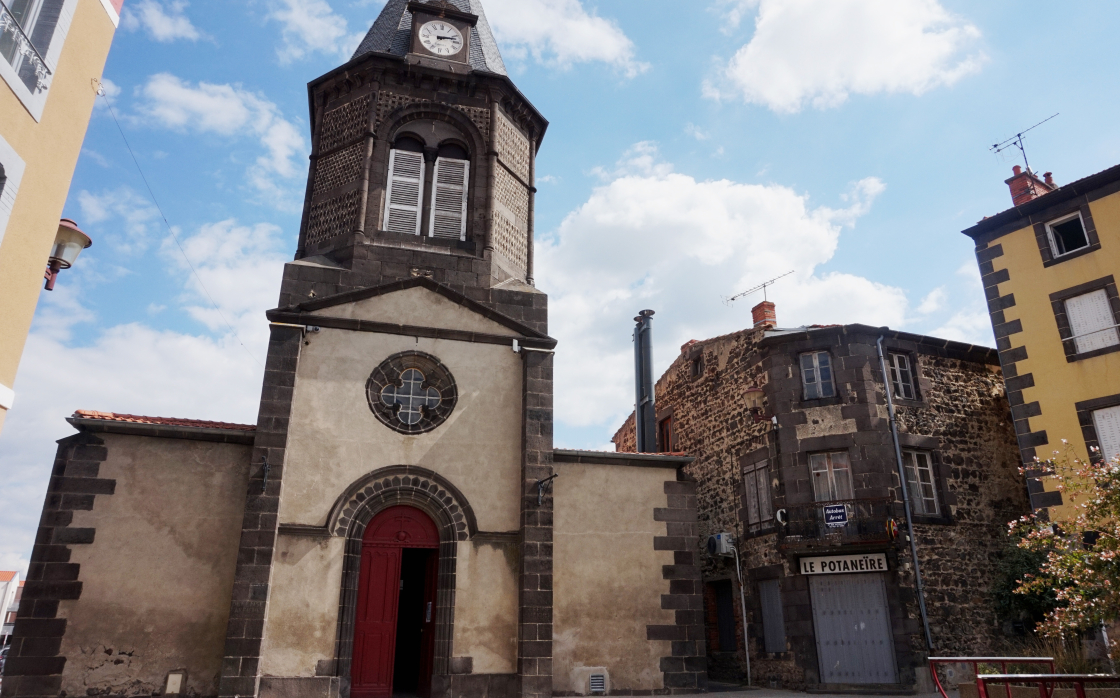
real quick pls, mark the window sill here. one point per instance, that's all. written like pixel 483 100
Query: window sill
pixel 1072 255
pixel 926 519
pixel 821 402
pixel 1091 354
pixel 903 402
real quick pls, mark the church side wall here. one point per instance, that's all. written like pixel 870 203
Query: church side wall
pixel 608 577
pixel 158 577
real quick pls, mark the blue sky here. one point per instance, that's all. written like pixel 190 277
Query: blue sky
pixel 695 149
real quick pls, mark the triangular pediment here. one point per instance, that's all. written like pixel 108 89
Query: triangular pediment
pixel 418 302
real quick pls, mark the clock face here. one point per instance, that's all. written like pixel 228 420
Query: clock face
pixel 441 38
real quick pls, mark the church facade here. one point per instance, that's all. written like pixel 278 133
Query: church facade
pixel 398 520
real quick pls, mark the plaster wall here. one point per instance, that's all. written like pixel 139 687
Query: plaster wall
pixel 49 148
pixel 418 306
pixel 608 577
pixel 303 606
pixel 486 604
pixel 1059 384
pixel 158 578
pixel 334 438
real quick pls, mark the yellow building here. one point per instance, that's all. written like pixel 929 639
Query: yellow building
pixel 1048 267
pixel 52 53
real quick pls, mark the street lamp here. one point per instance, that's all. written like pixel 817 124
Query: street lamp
pixel 68 244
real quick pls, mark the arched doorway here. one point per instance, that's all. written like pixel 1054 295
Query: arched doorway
pixel 394 627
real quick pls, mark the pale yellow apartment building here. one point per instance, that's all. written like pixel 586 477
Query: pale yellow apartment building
pixel 1048 267
pixel 52 53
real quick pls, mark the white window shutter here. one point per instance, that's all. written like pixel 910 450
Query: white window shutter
pixel 1107 422
pixel 405 192
pixel 449 199
pixel 1090 318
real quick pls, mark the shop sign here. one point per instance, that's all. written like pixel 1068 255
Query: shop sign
pixel 844 564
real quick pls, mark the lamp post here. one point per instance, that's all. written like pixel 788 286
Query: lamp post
pixel 69 242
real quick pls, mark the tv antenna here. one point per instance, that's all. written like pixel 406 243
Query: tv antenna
pixel 1017 141
pixel 761 287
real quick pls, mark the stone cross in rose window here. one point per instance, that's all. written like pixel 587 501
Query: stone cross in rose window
pixel 411 396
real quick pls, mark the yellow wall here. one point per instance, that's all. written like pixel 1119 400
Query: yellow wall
pixel 1059 384
pixel 49 149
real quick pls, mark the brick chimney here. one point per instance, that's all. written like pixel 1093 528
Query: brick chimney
pixel 1025 186
pixel 764 315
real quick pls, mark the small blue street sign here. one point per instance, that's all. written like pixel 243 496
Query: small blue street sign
pixel 836 515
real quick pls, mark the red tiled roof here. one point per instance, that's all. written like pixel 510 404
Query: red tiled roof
pixel 6 576
pixel 164 421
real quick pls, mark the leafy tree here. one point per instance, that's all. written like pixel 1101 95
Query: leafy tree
pixel 1015 565
pixel 1081 567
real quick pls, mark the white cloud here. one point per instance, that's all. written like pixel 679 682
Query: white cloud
pixel 818 52
pixel 696 132
pixel 561 32
pixel 311 26
pixel 650 237
pixel 229 110
pixel 164 22
pixel 970 322
pixel 139 220
pixel 137 369
pixel 934 301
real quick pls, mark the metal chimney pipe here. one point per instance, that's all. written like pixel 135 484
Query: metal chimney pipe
pixel 645 419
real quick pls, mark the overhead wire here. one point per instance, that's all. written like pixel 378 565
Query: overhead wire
pixel 163 216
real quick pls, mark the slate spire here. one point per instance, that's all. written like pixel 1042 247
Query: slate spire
pixel 392 30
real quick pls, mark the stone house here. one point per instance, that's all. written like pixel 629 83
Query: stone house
pixel 397 520
pixel 795 457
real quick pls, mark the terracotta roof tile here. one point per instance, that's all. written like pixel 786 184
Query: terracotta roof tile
pixel 165 421
pixel 7 576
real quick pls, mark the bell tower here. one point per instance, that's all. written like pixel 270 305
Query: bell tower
pixel 422 163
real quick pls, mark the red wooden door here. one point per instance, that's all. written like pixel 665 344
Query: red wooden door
pixel 375 622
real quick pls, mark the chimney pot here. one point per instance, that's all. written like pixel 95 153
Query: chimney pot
pixel 1048 177
pixel 764 315
pixel 1017 170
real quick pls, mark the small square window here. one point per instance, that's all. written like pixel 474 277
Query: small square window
pixel 920 484
pixel 832 476
pixel 1067 234
pixel 816 375
pixel 902 378
pixel 665 435
pixel 696 366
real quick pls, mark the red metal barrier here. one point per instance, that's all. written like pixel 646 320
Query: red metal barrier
pixel 976 661
pixel 1046 682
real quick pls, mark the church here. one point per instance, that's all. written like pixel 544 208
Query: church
pixel 398 521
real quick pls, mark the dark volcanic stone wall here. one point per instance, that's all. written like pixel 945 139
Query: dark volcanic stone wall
pixel 960 416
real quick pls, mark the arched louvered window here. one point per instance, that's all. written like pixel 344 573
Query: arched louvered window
pixel 449 198
pixel 405 191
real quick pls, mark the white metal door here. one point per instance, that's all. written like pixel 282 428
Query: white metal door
pixel 853 628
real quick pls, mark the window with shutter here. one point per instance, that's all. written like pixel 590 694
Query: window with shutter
pixel 1107 422
pixel 449 199
pixel 1091 320
pixel 405 192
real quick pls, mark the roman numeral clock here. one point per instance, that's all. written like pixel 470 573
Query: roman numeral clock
pixel 440 30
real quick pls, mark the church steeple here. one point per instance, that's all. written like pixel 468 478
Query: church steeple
pixel 423 157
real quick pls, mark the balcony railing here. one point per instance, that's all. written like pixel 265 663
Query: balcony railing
pixel 841 522
pixel 20 53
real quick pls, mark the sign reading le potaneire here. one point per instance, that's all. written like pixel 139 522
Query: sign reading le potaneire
pixel 844 564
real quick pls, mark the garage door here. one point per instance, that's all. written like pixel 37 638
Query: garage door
pixel 853 628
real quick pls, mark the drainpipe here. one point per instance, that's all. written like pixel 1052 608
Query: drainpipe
pixel 743 611
pixel 905 493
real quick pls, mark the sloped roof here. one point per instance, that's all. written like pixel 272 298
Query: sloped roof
pixel 161 421
pixel 7 576
pixel 393 30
